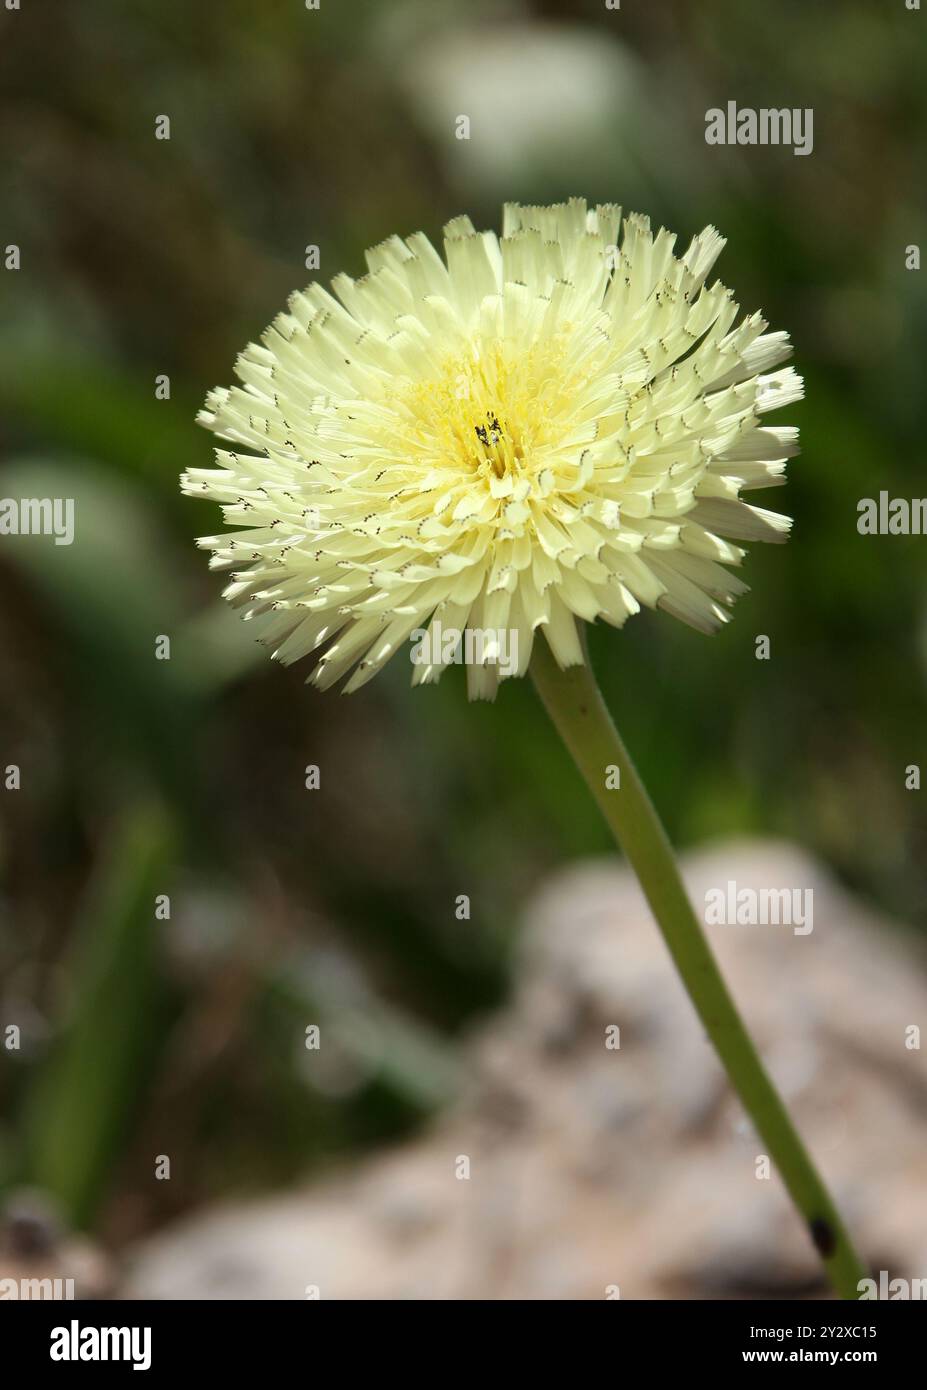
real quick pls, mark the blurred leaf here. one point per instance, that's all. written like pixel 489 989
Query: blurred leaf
pixel 89 407
pixel 112 594
pixel 82 1105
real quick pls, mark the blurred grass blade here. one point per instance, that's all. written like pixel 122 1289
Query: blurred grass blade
pixel 82 1104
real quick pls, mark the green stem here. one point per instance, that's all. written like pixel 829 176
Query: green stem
pixel 575 705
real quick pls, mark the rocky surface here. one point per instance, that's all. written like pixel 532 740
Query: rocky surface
pixel 592 1167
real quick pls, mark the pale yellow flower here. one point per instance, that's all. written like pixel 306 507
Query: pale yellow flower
pixel 546 427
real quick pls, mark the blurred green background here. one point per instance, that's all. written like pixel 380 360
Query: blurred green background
pixel 140 257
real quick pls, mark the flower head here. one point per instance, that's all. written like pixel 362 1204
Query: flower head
pixel 548 426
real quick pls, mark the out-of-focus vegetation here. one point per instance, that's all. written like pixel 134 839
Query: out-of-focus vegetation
pixel 289 127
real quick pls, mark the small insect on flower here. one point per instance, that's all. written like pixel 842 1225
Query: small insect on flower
pixel 538 428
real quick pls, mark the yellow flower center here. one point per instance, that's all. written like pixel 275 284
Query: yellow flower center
pixel 494 409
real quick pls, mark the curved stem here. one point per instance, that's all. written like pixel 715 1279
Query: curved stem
pixel 575 705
